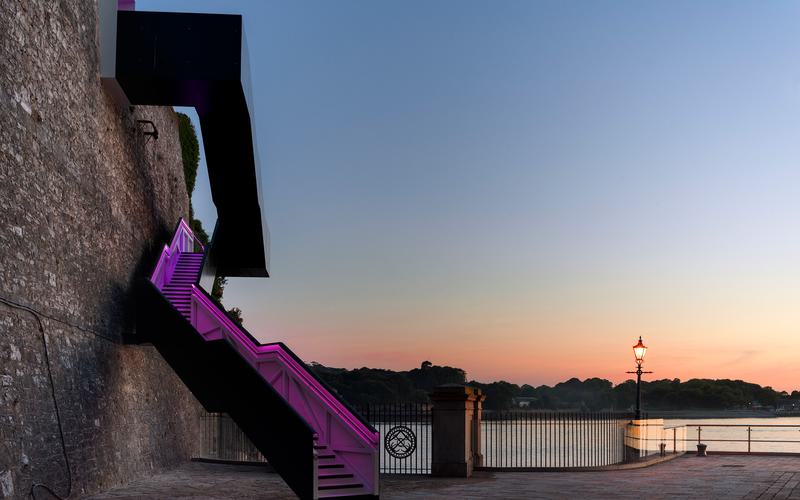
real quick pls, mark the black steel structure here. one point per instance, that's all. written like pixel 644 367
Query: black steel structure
pixel 208 369
pixel 200 60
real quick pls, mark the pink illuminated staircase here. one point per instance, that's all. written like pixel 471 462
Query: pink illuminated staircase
pixel 346 448
pixel 179 288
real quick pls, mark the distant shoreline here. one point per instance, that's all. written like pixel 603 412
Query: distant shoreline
pixel 700 414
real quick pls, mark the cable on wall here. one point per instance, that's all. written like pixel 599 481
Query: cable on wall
pixel 82 328
pixel 34 486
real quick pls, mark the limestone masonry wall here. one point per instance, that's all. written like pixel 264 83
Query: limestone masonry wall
pixel 86 200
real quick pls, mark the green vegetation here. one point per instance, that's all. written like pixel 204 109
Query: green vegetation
pixel 190 153
pixel 218 287
pixel 371 385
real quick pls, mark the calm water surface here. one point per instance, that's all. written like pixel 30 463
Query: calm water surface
pixel 763 439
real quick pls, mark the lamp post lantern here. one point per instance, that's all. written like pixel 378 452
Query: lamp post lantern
pixel 639 350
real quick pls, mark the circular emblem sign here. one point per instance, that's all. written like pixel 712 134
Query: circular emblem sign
pixel 400 442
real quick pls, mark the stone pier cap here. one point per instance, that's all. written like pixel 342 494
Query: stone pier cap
pixel 456 392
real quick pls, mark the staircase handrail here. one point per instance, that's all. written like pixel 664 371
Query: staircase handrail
pixel 183 240
pixel 362 428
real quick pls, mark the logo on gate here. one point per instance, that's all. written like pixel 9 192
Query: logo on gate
pixel 400 442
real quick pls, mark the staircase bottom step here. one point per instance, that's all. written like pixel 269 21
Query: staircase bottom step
pixel 359 492
pixel 346 486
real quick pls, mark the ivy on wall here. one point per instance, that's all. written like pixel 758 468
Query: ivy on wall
pixel 190 152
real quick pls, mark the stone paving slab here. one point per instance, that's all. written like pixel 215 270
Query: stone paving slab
pixel 712 477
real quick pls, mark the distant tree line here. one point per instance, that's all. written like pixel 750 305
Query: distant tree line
pixel 595 394
pixel 364 386
pixel 377 386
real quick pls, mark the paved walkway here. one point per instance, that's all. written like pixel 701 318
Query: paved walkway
pixel 722 477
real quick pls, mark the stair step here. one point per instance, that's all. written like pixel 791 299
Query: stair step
pixel 343 475
pixel 325 457
pixel 339 484
pixel 331 466
pixel 319 447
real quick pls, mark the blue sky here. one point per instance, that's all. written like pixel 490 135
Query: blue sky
pixel 522 188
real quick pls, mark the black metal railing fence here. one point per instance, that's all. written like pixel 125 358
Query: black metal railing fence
pixel 406 432
pixel 519 439
pixel 509 439
pixel 223 440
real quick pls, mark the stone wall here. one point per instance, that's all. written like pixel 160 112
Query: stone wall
pixel 86 201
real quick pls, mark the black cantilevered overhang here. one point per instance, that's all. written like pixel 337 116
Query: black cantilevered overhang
pixel 200 60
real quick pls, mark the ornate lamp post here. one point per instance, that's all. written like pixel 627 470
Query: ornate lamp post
pixel 639 350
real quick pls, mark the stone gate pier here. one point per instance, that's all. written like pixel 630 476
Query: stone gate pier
pixel 456 430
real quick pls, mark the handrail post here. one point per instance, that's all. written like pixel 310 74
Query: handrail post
pixel 748 438
pixel 674 441
pixel 698 434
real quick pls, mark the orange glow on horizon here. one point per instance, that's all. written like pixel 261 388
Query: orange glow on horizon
pixel 523 336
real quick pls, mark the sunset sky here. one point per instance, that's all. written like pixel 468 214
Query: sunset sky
pixel 521 189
